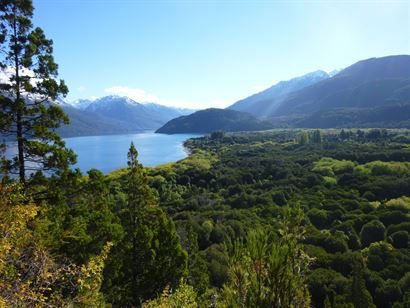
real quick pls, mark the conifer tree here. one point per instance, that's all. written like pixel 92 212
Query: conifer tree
pixel 150 257
pixel 26 112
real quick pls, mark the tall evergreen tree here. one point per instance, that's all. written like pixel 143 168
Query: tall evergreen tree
pixel 150 257
pixel 25 110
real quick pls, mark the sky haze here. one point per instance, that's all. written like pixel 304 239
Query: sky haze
pixel 200 54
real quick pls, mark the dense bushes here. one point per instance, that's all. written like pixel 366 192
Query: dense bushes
pixel 352 188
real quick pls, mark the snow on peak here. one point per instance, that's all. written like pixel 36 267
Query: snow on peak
pixel 335 72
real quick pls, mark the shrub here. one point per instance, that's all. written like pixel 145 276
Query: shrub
pixel 372 232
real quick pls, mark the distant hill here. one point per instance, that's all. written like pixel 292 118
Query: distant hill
pixel 115 115
pixel 366 84
pixel 370 93
pixel 266 102
pixel 209 120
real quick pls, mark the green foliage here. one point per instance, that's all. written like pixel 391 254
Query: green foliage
pixel 25 110
pixel 183 297
pixel 371 232
pixel 150 256
pixel 360 296
pixel 176 221
pixel 29 275
pixel 329 167
pixel 219 134
pixel 400 239
pixel 88 223
pixel 317 136
pixel 338 204
pixel 399 203
pixel 269 271
pixel 385 168
pixel 302 138
pixel 327 283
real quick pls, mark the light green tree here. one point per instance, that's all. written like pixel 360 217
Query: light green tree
pixel 268 270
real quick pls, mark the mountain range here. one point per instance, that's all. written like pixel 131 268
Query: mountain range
pixel 115 115
pixel 266 102
pixel 370 93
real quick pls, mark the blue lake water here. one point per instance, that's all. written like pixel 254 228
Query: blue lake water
pixel 109 153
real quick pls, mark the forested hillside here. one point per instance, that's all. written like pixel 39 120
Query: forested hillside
pixel 277 218
pixel 266 102
pixel 352 187
pixel 209 120
pixel 336 202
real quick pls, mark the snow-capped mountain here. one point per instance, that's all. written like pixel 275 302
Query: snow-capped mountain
pixel 335 72
pixel 81 103
pixel 116 114
pixel 265 103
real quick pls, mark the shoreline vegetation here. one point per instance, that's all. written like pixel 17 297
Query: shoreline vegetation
pixel 281 218
pixel 232 194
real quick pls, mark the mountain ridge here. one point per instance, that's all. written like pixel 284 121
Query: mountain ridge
pixel 115 115
pixel 359 95
pixel 268 100
pixel 211 119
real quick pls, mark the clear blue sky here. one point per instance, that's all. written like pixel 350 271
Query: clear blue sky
pixel 212 53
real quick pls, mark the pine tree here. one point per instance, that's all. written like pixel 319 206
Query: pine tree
pixel 26 112
pixel 151 256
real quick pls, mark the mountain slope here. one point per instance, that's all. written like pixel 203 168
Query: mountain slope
pixel 389 116
pixel 115 115
pixel 136 115
pixel 368 83
pixel 85 123
pixel 209 120
pixel 266 102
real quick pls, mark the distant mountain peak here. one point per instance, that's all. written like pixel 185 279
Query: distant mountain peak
pixel 265 102
pixel 335 72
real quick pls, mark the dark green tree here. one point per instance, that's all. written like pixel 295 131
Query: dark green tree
pixel 317 136
pixel 302 138
pixel 150 257
pixel 218 134
pixel 372 232
pixel 86 222
pixel 360 296
pixel 26 111
pixel 400 239
pixel 198 271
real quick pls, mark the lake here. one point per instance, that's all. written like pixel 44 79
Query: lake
pixel 109 153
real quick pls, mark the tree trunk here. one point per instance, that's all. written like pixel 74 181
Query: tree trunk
pixel 20 137
pixel 20 146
